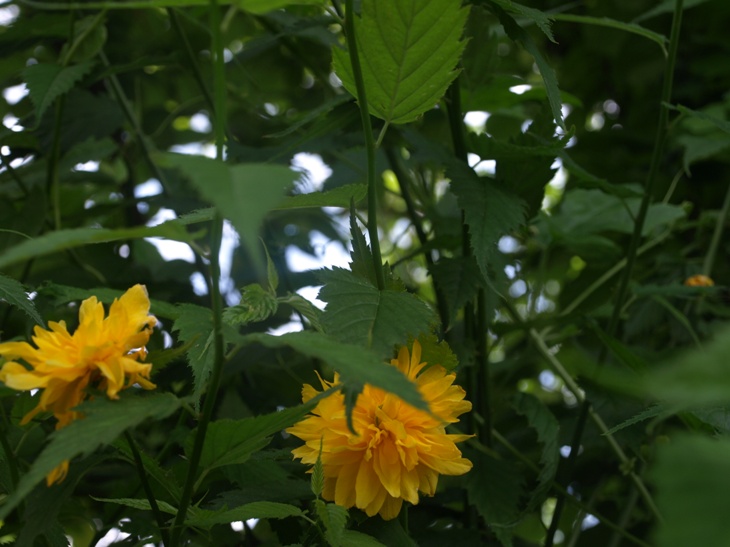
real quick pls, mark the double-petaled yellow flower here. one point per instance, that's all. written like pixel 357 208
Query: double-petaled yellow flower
pixel 104 353
pixel 398 450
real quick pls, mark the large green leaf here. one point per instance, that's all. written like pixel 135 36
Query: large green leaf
pixel 490 212
pixel 494 488
pixel 47 82
pixel 692 478
pixel 243 193
pixel 14 294
pixel 229 442
pixel 358 313
pixel 68 239
pixel 354 363
pixel 337 197
pixel 409 50
pixel 334 518
pixel 105 420
pixel 540 18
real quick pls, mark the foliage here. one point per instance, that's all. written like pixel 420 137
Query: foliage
pixel 540 180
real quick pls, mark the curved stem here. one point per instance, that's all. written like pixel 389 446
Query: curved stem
pixel 369 142
pixel 653 170
pixel 709 261
pixel 217 303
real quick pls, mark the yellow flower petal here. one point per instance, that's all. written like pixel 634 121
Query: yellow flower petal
pixel 399 450
pixel 103 351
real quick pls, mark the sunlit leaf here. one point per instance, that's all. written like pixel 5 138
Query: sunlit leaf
pixel 408 50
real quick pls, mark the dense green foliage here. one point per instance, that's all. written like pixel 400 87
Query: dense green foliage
pixel 537 181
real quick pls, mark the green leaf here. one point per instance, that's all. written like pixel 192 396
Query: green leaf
pixel 256 510
pixel 667 6
pixel 317 481
pixel 341 196
pixel 622 352
pixel 698 148
pixel 633 28
pixel 490 212
pixel 271 275
pixel 547 428
pixel 541 19
pixel 141 504
pixel 358 313
pixel 692 478
pixel 105 420
pixel 265 6
pixel 47 82
pixel 334 518
pixel 354 363
pixel 494 488
pixel 518 34
pixel 60 240
pixel 89 36
pixel 311 312
pixel 408 50
pixel 14 294
pixel 257 304
pixel 435 352
pixel 164 477
pixel 195 327
pixel 653 411
pixel 63 294
pixel 229 442
pixel 243 193
pixel 352 538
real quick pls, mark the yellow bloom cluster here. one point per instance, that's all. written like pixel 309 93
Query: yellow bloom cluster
pixel 103 352
pixel 398 450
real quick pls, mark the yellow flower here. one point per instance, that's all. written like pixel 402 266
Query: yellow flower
pixel 399 450
pixel 103 352
pixel 699 280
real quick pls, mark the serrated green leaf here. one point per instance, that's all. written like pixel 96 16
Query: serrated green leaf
pixel 257 304
pixel 229 442
pixel 692 479
pixel 105 420
pixel 89 36
pixel 358 313
pixel 164 477
pixel 518 34
pixel 47 82
pixel 60 240
pixel 490 212
pixel 494 488
pixel 409 50
pixel 435 352
pixel 334 518
pixel 256 510
pixel 547 428
pixel 361 258
pixel 14 294
pixel 232 188
pixel 195 327
pixel 459 279
pixel 317 481
pixel 354 363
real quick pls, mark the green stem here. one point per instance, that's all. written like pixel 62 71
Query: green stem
pixel 217 302
pixel 172 14
pixel 653 170
pixel 709 261
pixel 369 142
pixel 159 517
